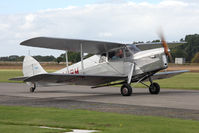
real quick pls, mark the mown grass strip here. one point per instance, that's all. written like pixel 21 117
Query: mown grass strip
pixel 12 118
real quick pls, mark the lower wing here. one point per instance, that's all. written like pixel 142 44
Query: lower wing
pixel 164 75
pixel 75 79
pixel 90 80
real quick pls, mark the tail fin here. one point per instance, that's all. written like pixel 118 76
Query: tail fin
pixel 31 67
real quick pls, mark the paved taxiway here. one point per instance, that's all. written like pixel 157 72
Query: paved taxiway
pixel 171 103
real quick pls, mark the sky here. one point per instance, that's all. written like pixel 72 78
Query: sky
pixel 122 21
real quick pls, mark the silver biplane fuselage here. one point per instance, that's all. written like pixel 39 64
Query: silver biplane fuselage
pixel 147 61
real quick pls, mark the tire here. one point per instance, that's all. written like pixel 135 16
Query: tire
pixel 126 90
pixel 32 89
pixel 154 88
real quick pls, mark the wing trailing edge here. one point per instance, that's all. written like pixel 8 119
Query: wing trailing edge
pixel 164 75
pixel 74 79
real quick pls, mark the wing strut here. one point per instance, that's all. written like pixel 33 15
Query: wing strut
pixel 67 60
pixel 82 54
pixel 132 68
pixel 131 73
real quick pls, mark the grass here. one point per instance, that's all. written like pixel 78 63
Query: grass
pixel 6 74
pixel 28 119
pixel 10 128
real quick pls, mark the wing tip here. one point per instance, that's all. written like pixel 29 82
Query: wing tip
pixel 18 78
pixel 29 40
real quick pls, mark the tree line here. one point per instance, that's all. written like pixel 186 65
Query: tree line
pixel 20 58
pixel 72 57
pixel 189 51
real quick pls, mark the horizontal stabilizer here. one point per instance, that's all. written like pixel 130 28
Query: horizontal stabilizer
pixel 18 78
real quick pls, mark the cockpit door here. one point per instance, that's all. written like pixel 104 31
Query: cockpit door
pixel 116 60
pixel 121 59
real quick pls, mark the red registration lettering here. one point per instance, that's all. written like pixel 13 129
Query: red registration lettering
pixel 74 71
pixel 71 71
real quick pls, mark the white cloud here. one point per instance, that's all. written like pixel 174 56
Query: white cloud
pixel 105 34
pixel 28 21
pixel 173 3
pixel 120 22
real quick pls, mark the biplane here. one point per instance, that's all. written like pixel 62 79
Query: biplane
pixel 111 64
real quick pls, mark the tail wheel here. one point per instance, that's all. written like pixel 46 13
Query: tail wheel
pixel 126 90
pixel 154 88
pixel 32 89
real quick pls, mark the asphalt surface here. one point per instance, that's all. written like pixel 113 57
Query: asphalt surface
pixel 169 103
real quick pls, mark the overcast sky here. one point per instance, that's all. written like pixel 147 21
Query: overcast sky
pixel 108 20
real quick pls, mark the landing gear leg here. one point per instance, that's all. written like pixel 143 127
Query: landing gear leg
pixel 154 88
pixel 32 89
pixel 126 90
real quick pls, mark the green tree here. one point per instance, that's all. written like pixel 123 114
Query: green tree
pixel 59 59
pixel 88 55
pixel 178 53
pixel 72 57
pixel 187 50
pixel 138 42
pixel 192 46
pixel 44 58
pixel 195 59
pixel 156 40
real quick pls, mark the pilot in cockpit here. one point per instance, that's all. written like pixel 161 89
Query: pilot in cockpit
pixel 118 55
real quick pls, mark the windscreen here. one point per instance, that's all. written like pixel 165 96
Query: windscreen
pixel 131 49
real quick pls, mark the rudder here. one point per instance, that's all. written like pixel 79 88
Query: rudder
pixel 31 67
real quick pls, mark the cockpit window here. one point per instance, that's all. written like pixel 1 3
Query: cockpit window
pixel 116 54
pixel 121 53
pixel 131 49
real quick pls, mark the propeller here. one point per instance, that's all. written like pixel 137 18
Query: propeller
pixel 165 46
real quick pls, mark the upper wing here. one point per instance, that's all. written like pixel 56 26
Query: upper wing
pixel 146 46
pixel 88 46
pixel 164 75
pixel 75 79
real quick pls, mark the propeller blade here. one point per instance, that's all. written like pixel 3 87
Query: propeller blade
pixel 170 57
pixel 165 46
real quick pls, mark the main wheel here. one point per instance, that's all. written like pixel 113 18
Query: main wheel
pixel 154 88
pixel 32 89
pixel 126 90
